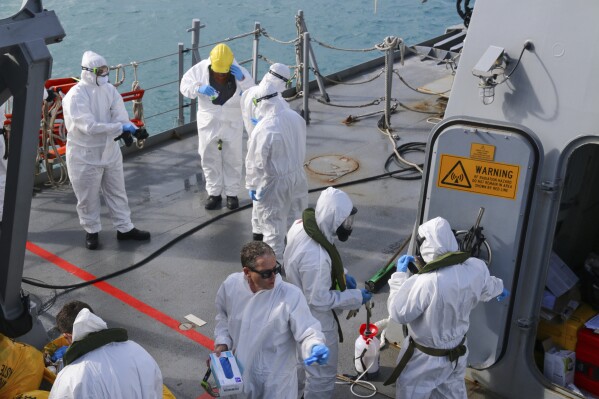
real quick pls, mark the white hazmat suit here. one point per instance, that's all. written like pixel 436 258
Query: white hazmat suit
pixel 222 168
pixel 275 169
pixel 248 112
pixel 436 308
pixel 263 329
pixel 94 115
pixel 308 266
pixel 117 370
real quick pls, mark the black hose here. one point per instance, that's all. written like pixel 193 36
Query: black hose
pixel 72 287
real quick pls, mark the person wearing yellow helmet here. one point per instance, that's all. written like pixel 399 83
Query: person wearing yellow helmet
pixel 217 83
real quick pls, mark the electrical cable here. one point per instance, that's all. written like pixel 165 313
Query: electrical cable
pixel 169 244
pixel 413 172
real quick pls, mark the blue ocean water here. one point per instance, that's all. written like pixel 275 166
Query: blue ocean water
pixel 143 30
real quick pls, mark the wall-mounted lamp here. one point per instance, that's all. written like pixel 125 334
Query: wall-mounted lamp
pixel 491 70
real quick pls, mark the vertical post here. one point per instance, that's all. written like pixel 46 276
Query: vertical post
pixel 181 118
pixel 298 51
pixel 319 80
pixel 306 77
pixel 388 84
pixel 255 51
pixel 195 58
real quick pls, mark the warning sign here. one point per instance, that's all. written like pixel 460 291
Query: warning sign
pixel 478 176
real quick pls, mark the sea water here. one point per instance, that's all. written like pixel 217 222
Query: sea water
pixel 148 32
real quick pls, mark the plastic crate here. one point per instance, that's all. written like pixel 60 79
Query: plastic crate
pixel 587 361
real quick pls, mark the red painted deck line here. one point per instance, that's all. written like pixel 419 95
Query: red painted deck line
pixel 122 296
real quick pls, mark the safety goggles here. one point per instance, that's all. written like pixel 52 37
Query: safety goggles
pixel 266 274
pixel 287 81
pixel 98 71
pixel 348 223
pixel 266 97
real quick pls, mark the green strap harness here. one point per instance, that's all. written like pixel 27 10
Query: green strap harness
pixel 448 259
pixel 337 271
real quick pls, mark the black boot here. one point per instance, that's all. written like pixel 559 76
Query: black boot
pixel 91 241
pixel 232 202
pixel 133 234
pixel 213 202
pixel 257 236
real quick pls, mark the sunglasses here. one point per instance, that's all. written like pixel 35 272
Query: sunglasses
pixel 266 274
pixel 266 97
pixel 98 71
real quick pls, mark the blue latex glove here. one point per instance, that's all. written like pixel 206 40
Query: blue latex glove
pixel 503 295
pixel 237 72
pixel 320 354
pixel 402 263
pixel 207 90
pixel 59 353
pixel 255 121
pixel 366 295
pixel 252 194
pixel 350 281
pixel 129 127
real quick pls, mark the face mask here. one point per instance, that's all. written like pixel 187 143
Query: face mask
pixel 101 80
pixel 343 233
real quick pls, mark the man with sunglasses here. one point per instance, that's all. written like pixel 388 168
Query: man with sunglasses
pixel 217 83
pixel 313 263
pixel 435 304
pixel 95 115
pixel 263 319
pixel 274 164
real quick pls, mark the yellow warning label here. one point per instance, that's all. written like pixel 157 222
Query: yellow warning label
pixel 478 176
pixel 482 151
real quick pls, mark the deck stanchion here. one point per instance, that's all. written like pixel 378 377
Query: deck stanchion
pixel 388 83
pixel 306 77
pixel 255 51
pixel 195 58
pixel 319 80
pixel 181 118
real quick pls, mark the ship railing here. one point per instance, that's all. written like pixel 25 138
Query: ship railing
pixel 305 64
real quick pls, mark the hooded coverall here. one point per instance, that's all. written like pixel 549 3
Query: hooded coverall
pixel 248 111
pixel 94 116
pixel 275 168
pixel 308 266
pixel 436 308
pixel 117 370
pixel 222 168
pixel 264 329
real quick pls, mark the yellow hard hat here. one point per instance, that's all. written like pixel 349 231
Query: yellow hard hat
pixel 221 58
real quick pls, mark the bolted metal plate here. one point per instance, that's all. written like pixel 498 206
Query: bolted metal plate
pixel 332 166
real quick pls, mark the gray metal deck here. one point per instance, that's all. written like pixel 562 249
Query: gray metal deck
pixel 166 190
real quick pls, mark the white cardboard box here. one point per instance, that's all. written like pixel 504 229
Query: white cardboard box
pixel 559 365
pixel 227 385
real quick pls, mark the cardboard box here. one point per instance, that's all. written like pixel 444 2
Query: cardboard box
pixel 226 373
pixel 559 365
pixel 564 333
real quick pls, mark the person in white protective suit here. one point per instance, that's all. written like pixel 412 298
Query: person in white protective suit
pixel 101 362
pixel 217 83
pixel 278 75
pixel 435 304
pixel 274 165
pixel 3 158
pixel 262 319
pixel 313 264
pixel 95 116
